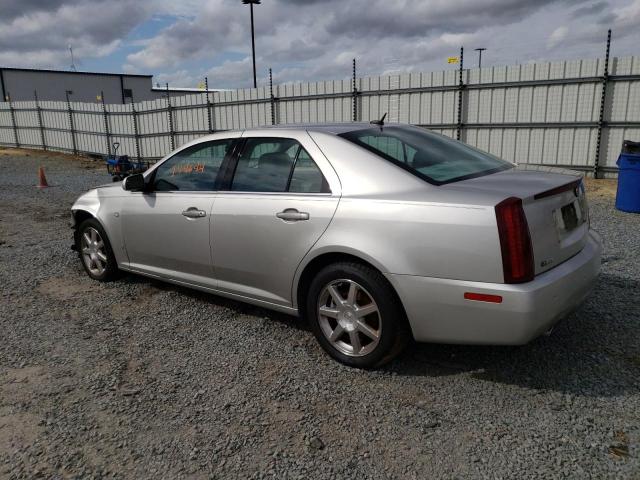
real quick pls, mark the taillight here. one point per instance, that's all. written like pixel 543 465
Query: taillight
pixel 515 241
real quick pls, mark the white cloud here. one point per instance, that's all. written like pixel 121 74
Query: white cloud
pixel 557 36
pixel 628 19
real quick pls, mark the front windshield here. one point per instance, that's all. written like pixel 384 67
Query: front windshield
pixel 433 157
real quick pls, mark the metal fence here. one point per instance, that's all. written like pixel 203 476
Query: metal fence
pixel 571 114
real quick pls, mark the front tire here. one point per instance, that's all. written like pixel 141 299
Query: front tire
pixel 95 251
pixel 356 316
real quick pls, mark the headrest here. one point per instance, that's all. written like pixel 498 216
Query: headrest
pixel 274 159
pixel 423 159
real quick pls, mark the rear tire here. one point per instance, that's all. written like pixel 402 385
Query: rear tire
pixel 95 251
pixel 356 316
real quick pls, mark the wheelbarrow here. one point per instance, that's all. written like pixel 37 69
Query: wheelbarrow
pixel 121 166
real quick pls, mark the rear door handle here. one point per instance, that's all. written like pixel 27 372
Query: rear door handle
pixel 193 212
pixel 292 215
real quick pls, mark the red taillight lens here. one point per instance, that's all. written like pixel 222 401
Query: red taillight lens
pixel 515 241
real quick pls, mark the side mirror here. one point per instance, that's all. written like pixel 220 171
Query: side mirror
pixel 134 183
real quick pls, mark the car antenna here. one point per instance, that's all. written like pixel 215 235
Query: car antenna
pixel 379 122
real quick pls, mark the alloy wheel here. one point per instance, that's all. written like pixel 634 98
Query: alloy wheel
pixel 93 251
pixel 349 317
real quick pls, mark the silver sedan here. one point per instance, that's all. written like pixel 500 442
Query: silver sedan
pixel 376 234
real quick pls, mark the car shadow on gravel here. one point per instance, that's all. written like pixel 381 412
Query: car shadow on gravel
pixel 594 352
pixel 212 299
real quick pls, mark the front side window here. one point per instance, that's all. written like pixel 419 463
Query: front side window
pixel 192 169
pixel 430 156
pixel 277 165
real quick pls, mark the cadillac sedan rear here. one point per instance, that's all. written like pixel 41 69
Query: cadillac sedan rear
pixel 549 261
pixel 486 254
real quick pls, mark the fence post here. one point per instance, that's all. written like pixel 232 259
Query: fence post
pixel 603 101
pixel 40 124
pixel 105 117
pixel 71 124
pixel 354 93
pixel 460 93
pixel 13 122
pixel 170 113
pixel 135 127
pixel 209 105
pixel 273 98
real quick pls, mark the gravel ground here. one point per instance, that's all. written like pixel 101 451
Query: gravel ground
pixel 138 379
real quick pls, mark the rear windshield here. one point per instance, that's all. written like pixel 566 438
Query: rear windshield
pixel 430 156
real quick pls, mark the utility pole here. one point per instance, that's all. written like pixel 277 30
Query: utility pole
pixel 251 3
pixel 73 63
pixel 480 50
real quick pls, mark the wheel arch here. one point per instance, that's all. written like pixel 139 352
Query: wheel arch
pixel 80 215
pixel 312 265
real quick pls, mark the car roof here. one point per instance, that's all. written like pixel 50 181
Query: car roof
pixel 332 128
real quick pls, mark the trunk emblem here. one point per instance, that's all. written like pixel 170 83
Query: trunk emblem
pixel 547 262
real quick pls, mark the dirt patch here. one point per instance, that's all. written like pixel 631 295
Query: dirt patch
pixel 63 288
pixel 47 156
pixel 19 429
pixel 603 188
pixel 28 152
pixel 16 152
pixel 145 298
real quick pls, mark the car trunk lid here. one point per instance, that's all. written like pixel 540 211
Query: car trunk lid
pixel 555 208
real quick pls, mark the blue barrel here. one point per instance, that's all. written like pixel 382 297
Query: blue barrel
pixel 628 195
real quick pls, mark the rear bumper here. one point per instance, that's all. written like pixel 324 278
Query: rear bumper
pixel 438 312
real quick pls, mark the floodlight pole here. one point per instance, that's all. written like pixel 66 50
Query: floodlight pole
pixel 253 38
pixel 253 50
pixel 480 50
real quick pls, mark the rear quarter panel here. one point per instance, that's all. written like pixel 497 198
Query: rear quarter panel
pixel 417 238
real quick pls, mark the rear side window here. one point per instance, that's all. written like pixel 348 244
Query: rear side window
pixel 306 176
pixel 430 156
pixel 192 169
pixel 277 165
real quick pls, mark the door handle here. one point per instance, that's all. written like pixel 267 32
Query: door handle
pixel 292 215
pixel 193 212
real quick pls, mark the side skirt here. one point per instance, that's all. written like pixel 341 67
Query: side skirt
pixel 232 296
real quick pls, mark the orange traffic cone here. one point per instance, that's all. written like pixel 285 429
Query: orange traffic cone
pixel 42 179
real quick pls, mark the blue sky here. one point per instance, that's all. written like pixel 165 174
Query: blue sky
pixel 181 42
pixel 113 62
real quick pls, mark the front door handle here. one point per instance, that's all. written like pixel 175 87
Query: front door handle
pixel 292 215
pixel 193 212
